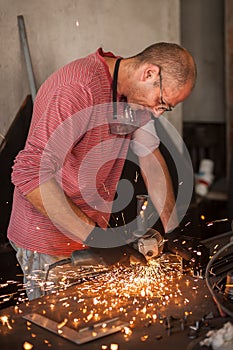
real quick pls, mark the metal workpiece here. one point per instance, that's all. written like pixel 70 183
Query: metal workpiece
pixel 83 335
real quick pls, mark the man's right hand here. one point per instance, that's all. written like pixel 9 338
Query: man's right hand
pixel 111 246
pixel 123 255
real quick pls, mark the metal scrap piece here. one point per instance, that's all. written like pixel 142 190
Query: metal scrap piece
pixel 82 336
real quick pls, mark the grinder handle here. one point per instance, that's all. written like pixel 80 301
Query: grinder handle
pixel 86 257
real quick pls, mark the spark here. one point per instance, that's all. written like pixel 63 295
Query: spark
pixel 5 321
pixel 114 347
pixel 136 177
pixel 27 345
pixel 106 221
pixel 89 317
pixel 220 220
pixel 136 293
pixel 52 306
pixel 123 218
pixel 105 189
pixel 144 337
pixel 127 331
pixel 62 324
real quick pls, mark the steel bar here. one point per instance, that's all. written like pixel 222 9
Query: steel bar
pixel 27 56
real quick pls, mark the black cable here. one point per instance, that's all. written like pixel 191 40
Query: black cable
pixel 57 263
pixel 114 87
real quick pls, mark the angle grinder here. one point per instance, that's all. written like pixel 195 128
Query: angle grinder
pixel 150 244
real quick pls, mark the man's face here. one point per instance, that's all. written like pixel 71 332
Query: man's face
pixel 159 98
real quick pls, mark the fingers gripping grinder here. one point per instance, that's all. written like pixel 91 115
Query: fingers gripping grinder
pixel 149 241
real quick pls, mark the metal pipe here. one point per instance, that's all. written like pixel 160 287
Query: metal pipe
pixel 27 56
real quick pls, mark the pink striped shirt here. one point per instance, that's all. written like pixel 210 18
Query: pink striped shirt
pixel 69 140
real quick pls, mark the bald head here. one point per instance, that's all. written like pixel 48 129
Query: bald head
pixel 176 63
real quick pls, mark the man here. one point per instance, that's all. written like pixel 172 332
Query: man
pixel 65 178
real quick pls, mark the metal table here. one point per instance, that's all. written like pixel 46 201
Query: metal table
pixel 153 320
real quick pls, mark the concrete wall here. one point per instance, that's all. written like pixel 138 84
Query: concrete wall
pixel 202 28
pixel 59 31
pixel 229 88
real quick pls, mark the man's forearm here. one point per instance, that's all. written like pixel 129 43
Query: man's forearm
pixel 159 185
pixel 50 200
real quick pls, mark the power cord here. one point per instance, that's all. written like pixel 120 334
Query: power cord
pixel 57 263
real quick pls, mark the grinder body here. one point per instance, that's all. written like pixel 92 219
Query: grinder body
pixel 150 245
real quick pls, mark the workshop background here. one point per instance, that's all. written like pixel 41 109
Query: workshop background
pixel 59 31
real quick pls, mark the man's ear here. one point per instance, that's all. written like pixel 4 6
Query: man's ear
pixel 150 72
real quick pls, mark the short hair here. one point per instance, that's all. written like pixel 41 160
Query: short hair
pixel 174 61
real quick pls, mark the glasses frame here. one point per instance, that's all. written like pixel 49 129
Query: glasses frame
pixel 165 107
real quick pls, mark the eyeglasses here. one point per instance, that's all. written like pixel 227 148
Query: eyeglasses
pixel 164 107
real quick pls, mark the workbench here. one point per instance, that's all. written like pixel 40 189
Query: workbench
pixel 178 312
pixel 171 327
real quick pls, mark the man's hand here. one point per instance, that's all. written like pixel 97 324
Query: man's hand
pixel 123 255
pixel 189 248
pixel 111 247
